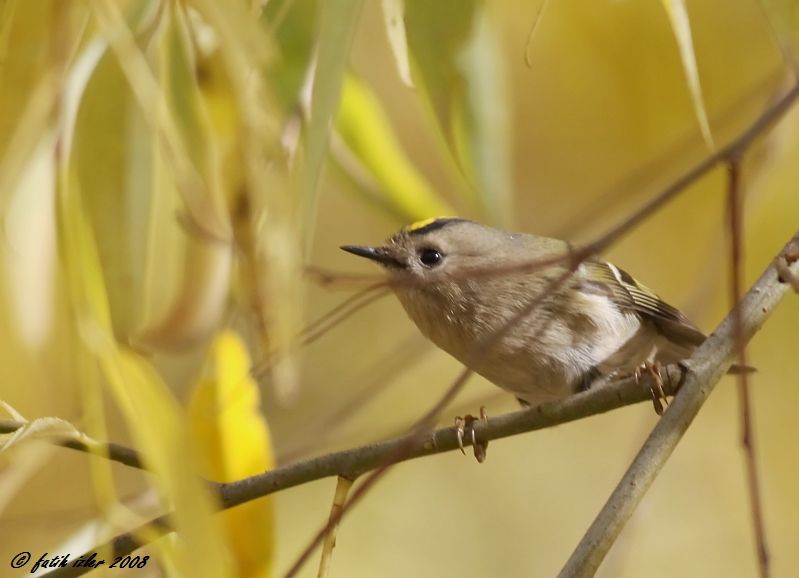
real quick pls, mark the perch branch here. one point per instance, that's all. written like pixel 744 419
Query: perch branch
pixel 353 462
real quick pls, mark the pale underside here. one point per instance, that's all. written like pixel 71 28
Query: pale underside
pixel 552 350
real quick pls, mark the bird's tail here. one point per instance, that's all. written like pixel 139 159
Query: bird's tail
pixel 736 369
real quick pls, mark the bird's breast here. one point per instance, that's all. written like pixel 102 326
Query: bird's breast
pixel 547 350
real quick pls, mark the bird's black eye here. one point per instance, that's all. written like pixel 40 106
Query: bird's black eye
pixel 430 257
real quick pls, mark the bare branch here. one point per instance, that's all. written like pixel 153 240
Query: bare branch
pixel 706 366
pixel 343 486
pixel 112 451
pixel 735 203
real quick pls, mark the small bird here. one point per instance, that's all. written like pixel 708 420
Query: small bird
pixel 555 333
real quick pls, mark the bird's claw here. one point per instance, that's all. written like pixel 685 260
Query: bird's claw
pixel 461 424
pixel 658 395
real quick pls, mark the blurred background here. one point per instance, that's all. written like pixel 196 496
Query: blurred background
pixel 176 179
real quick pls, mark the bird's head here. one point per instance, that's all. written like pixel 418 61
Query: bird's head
pixel 436 249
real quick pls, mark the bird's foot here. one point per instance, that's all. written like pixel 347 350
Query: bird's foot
pixel 658 395
pixel 467 422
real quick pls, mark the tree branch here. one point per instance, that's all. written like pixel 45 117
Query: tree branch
pixel 736 213
pixel 706 366
pixel 353 462
pixel 112 451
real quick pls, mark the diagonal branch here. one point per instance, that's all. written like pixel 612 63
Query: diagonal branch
pixel 706 366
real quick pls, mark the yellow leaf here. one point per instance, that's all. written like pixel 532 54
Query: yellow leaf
pixel 681 26
pixel 233 442
pixel 365 129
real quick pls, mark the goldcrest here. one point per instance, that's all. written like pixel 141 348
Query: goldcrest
pixel 585 328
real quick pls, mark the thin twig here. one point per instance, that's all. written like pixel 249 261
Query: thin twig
pixel 735 148
pixel 633 184
pixel 735 203
pixel 372 382
pixel 706 366
pixel 342 309
pixel 336 516
pixel 112 451
pixel 789 256
pixel 339 314
pixel 324 324
pixel 411 443
pixel 343 486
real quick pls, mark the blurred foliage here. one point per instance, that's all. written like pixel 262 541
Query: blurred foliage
pixel 225 410
pixel 169 168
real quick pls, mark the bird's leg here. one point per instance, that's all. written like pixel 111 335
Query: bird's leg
pixel 467 422
pixel 658 395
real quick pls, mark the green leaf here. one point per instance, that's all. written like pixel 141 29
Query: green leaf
pixel 489 142
pixel 337 23
pixel 292 23
pixel 112 155
pixel 457 63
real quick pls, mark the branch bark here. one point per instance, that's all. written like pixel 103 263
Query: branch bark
pixel 706 366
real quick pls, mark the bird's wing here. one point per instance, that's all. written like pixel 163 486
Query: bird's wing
pixel 627 293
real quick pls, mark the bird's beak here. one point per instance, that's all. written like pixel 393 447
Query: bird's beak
pixel 377 254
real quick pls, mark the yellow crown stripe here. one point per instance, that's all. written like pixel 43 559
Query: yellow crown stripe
pixel 423 223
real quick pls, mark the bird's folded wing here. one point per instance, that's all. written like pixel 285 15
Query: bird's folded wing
pixel 627 293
